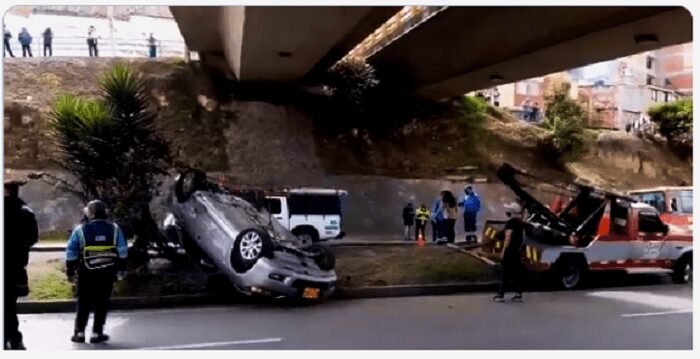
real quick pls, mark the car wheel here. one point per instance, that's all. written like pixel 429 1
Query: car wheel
pixel 571 272
pixel 323 257
pixel 683 270
pixel 249 247
pixel 187 183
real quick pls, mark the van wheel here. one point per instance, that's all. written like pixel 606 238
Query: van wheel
pixel 683 270
pixel 570 272
pixel 323 257
pixel 249 247
pixel 306 236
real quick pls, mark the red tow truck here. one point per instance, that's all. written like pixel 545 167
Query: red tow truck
pixel 597 231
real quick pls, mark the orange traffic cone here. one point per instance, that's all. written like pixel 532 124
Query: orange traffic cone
pixel 421 240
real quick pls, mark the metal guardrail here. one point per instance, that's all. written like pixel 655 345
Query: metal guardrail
pixel 123 47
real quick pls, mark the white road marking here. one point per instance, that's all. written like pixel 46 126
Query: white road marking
pixel 668 304
pixel 634 315
pixel 215 344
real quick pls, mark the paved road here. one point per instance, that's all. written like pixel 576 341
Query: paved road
pixel 649 317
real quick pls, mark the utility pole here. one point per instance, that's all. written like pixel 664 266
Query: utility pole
pixel 110 16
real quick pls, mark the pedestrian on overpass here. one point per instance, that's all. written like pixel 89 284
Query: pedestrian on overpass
pixel 152 42
pixel 408 215
pixel 92 41
pixel 471 203
pixel 512 268
pixel 25 39
pixel 97 251
pixel 8 36
pixel 422 217
pixel 48 39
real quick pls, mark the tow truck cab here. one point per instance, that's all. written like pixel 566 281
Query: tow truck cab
pixel 631 238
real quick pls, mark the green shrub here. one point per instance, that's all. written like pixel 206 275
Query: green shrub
pixel 673 119
pixel 351 81
pixel 565 118
pixel 473 109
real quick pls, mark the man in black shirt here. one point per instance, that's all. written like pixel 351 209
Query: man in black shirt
pixel 511 257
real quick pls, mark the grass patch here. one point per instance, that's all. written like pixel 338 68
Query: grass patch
pixel 47 281
pixel 381 266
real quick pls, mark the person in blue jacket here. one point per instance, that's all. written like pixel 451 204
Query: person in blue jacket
pixel 471 204
pixel 97 251
pixel 25 39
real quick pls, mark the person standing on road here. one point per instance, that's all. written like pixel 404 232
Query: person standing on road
pixel 8 36
pixel 449 205
pixel 422 217
pixel 152 44
pixel 25 39
pixel 48 38
pixel 471 203
pixel 512 268
pixel 21 233
pixel 97 251
pixel 408 215
pixel 436 217
pixel 92 41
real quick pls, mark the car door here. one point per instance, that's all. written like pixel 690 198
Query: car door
pixel 650 238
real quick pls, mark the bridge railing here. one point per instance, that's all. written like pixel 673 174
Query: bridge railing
pixel 123 47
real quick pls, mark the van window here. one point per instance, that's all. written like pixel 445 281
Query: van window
pixel 314 204
pixel 654 199
pixel 649 222
pixel 681 201
pixel 273 205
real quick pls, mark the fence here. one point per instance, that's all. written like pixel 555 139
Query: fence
pixel 123 47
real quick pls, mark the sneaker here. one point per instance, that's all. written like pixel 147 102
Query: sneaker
pixel 78 337
pixel 517 298
pixel 498 299
pixel 98 338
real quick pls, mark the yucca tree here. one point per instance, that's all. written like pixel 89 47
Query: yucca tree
pixel 112 149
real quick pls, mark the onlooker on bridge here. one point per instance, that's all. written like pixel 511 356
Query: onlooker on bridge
pixel 8 36
pixel 496 96
pixel 408 215
pixel 92 41
pixel 25 39
pixel 535 114
pixel 48 38
pixel 152 46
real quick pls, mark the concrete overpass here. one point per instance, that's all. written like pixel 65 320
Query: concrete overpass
pixel 461 49
pixel 275 44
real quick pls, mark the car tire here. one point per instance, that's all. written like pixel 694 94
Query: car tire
pixel 683 270
pixel 187 183
pixel 323 257
pixel 248 248
pixel 570 272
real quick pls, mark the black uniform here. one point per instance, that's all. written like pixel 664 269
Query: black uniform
pixel 512 268
pixel 97 249
pixel 21 232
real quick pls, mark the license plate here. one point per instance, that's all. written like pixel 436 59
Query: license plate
pixel 311 293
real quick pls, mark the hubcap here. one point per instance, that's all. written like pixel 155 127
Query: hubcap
pixel 570 277
pixel 305 239
pixel 687 272
pixel 251 246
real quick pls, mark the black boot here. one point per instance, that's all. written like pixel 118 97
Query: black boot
pixel 98 338
pixel 78 337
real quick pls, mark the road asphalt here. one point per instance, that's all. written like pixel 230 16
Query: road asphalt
pixel 643 317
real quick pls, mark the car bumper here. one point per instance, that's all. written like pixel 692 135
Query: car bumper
pixel 277 277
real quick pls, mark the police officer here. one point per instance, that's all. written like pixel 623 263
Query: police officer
pixel 21 232
pixel 471 204
pixel 97 251
pixel 512 268
pixel 422 217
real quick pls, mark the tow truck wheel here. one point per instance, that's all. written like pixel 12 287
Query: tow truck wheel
pixel 683 270
pixel 570 272
pixel 249 247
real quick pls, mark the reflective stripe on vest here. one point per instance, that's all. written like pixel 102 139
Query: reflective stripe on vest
pixel 99 256
pixel 423 214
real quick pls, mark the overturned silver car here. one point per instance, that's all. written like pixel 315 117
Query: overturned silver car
pixel 237 236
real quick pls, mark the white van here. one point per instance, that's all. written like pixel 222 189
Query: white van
pixel 312 214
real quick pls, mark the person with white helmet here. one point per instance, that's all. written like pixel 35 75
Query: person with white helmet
pixel 97 251
pixel 511 257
